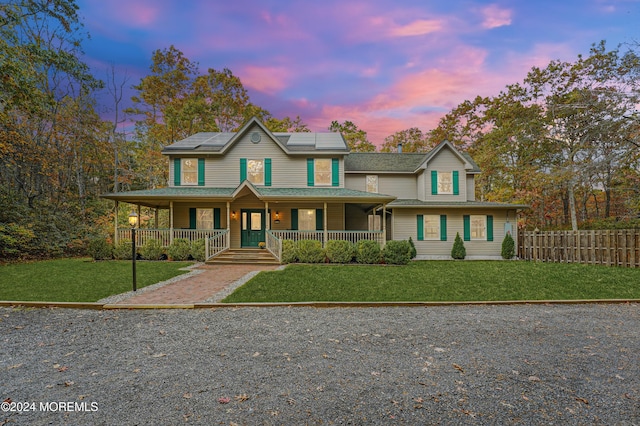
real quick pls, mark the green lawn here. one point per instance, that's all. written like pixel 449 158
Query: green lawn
pixel 79 280
pixel 441 281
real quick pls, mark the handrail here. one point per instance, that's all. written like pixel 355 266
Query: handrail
pixel 274 245
pixel 216 244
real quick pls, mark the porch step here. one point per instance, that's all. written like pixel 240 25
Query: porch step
pixel 254 256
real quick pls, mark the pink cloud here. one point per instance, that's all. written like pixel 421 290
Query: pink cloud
pixel 495 16
pixel 416 28
pixel 269 80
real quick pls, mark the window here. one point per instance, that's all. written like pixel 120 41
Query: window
pixel 478 227
pixel 431 227
pixel 375 222
pixel 307 219
pixel 204 218
pixel 322 171
pixel 255 171
pixel 445 183
pixel 189 171
pixel 372 183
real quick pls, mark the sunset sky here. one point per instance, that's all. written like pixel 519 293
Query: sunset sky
pixel 386 65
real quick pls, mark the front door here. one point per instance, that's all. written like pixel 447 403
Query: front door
pixel 253 225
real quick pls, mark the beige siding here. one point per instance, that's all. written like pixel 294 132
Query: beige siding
pixel 401 186
pixel 286 171
pixel 405 226
pixel 471 188
pixel 445 161
pixel 181 213
pixel 421 182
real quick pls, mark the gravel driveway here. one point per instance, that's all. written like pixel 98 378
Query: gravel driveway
pixel 520 364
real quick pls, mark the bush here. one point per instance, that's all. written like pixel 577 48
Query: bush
pixel 458 251
pixel 198 250
pixel 340 251
pixel 289 252
pixel 310 251
pixel 368 252
pixel 413 252
pixel 122 250
pixel 15 240
pixel 180 249
pixel 508 247
pixel 152 250
pixel 397 252
pixel 100 249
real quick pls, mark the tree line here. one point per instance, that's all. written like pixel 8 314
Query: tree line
pixel 565 140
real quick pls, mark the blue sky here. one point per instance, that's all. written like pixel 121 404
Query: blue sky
pixel 386 65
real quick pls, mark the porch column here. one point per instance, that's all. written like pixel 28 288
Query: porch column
pixel 115 237
pixel 324 224
pixel 267 222
pixel 384 224
pixel 228 216
pixel 170 222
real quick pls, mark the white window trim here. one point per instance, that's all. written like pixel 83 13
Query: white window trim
pixel 450 174
pixel 183 181
pixel 261 160
pixel 424 230
pixel 484 220
pixel 315 172
pixel 366 183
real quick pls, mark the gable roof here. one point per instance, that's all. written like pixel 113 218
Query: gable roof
pixel 290 143
pixel 469 164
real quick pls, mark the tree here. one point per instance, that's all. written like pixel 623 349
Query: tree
pixel 356 138
pixel 287 125
pixel 412 140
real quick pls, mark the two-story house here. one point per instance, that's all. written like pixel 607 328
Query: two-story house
pixel 255 186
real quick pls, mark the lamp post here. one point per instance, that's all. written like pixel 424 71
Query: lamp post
pixel 133 221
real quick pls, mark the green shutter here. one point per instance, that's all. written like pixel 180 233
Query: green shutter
pixel 216 218
pixel 443 227
pixel 456 183
pixel 267 172
pixel 467 227
pixel 243 169
pixel 310 174
pixel 434 182
pixel 489 228
pixel 294 219
pixel 200 171
pixel 192 218
pixel 176 172
pixel 319 220
pixel 420 227
pixel 335 172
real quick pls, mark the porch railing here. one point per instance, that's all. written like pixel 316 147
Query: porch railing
pixel 216 244
pixel 274 245
pixel 143 235
pixel 351 236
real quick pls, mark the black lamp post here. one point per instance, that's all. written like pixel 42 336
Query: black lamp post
pixel 133 221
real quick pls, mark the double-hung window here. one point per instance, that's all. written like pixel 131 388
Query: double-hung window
pixel 445 182
pixel 432 227
pixel 478 227
pixel 189 171
pixel 322 170
pixel 372 183
pixel 204 218
pixel 307 219
pixel 255 171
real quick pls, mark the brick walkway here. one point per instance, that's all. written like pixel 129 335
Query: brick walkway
pixel 197 288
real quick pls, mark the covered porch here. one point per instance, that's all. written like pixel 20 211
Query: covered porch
pixel 250 217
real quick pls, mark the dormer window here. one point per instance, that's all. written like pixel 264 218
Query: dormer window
pixel 443 183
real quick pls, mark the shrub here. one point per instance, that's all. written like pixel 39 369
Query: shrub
pixel 413 252
pixel 508 247
pixel 289 252
pixel 458 251
pixel 310 251
pixel 340 251
pixel 100 249
pixel 198 250
pixel 122 250
pixel 179 249
pixel 152 250
pixel 368 252
pixel 396 252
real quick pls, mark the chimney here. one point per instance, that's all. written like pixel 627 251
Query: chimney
pixel 400 148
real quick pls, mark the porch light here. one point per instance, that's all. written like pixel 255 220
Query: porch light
pixel 133 219
pixel 233 215
pixel 277 217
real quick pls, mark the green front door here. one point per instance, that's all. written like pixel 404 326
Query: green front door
pixel 253 225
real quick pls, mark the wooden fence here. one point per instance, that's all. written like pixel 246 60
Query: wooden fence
pixel 605 247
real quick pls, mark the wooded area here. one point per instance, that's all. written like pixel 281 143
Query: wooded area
pixel 566 140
